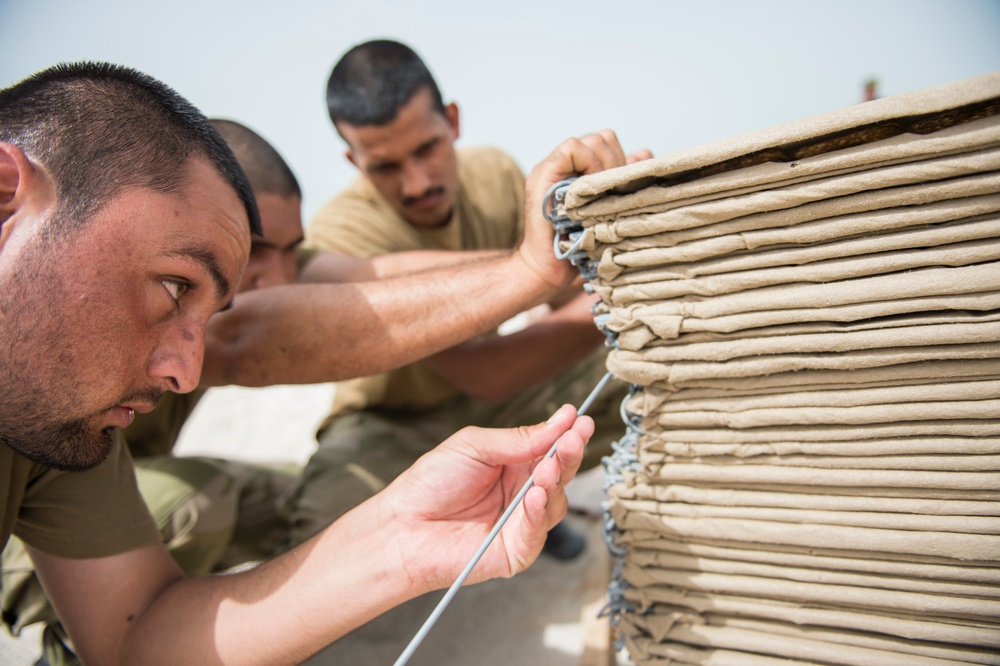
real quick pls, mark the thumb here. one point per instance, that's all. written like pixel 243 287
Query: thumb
pixel 527 443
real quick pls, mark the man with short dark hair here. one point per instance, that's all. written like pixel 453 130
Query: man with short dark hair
pixel 416 191
pixel 110 270
pixel 162 144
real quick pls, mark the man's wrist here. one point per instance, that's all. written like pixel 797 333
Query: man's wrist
pixel 545 278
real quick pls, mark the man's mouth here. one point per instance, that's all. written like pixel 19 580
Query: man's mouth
pixel 141 402
pixel 427 200
pixel 122 416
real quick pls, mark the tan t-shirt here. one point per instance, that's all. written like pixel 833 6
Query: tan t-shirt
pixel 96 513
pixel 489 214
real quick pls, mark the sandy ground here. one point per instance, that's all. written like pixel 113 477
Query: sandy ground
pixel 545 616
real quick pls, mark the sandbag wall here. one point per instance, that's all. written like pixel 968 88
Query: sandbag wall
pixel 810 318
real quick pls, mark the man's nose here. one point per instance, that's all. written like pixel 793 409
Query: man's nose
pixel 416 179
pixel 176 362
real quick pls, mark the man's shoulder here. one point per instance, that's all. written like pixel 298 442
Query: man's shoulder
pixel 480 159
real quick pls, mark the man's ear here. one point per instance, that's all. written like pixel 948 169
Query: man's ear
pixel 21 184
pixel 350 157
pixel 16 172
pixel 13 163
pixel 451 113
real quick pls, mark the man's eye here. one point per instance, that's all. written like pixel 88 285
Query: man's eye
pixel 175 288
pixel 427 148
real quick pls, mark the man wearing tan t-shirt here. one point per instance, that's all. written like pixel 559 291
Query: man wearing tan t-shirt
pixel 416 191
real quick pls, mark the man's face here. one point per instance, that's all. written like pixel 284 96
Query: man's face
pixel 411 161
pixel 273 255
pixel 101 323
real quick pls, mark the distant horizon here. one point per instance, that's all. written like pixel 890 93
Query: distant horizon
pixel 665 75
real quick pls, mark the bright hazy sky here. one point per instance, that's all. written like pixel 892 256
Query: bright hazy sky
pixel 526 74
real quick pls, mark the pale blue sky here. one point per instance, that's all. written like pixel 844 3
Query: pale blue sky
pixel 526 74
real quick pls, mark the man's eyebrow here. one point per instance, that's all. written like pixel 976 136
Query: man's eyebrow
pixel 258 241
pixel 210 264
pixel 379 165
pixel 427 144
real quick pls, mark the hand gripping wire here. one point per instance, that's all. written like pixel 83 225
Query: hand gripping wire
pixel 453 590
pixel 562 226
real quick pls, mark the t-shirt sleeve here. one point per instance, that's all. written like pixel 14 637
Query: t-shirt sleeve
pixel 95 513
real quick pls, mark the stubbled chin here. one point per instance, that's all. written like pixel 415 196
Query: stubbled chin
pixel 71 447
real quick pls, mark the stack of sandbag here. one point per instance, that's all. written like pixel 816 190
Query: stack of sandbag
pixel 810 318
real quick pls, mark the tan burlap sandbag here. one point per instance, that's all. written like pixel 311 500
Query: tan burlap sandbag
pixel 810 318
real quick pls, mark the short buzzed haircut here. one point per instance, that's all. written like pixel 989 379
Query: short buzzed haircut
pixel 98 128
pixel 263 165
pixel 374 80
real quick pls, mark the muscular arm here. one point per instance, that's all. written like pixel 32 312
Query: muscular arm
pixel 136 608
pixel 496 367
pixel 327 267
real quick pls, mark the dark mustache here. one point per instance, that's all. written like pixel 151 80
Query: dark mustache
pixel 143 396
pixel 433 191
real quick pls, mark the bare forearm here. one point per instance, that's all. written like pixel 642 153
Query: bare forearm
pixel 327 267
pixel 402 263
pixel 496 367
pixel 303 334
pixel 283 611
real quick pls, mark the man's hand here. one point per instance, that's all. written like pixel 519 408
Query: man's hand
pixel 640 155
pixel 573 157
pixel 442 508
